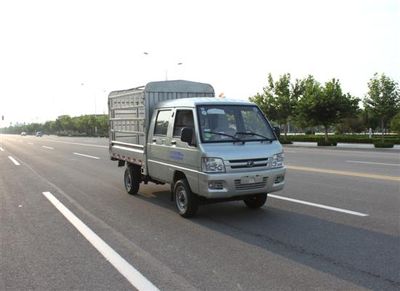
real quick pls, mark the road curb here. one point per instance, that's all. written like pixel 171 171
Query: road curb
pixel 343 146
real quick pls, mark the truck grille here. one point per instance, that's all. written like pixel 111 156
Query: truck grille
pixel 251 186
pixel 250 163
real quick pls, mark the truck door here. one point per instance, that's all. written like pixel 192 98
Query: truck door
pixel 159 146
pixel 183 156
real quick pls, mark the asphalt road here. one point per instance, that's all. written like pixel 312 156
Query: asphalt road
pixel 336 225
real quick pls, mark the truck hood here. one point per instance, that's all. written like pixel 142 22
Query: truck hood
pixel 249 150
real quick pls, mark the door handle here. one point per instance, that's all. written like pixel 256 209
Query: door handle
pixel 173 142
pixel 154 140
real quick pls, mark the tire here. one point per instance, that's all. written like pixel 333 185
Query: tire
pixel 186 201
pixel 255 201
pixel 132 179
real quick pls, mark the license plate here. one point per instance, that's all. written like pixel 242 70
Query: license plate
pixel 250 179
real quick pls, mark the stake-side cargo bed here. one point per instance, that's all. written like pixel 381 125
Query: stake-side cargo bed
pixel 130 113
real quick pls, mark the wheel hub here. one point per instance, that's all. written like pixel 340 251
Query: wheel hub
pixel 128 182
pixel 181 199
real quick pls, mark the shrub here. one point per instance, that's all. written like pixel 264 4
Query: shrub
pixel 310 132
pixel 327 143
pixel 395 124
pixel 385 145
pixel 285 141
pixel 395 139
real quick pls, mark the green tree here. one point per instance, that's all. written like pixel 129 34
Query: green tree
pixel 102 124
pixel 265 106
pixel 351 124
pixel 395 123
pixel 279 99
pixel 33 127
pixel 64 123
pixel 78 123
pixel 305 110
pixel 266 100
pixel 325 105
pixel 383 99
pixel 91 124
pixel 369 119
pixel 49 127
pixel 85 124
pixel 81 124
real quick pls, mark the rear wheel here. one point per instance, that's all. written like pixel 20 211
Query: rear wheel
pixel 132 179
pixel 186 201
pixel 255 201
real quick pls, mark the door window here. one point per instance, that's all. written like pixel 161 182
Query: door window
pixel 184 118
pixel 162 122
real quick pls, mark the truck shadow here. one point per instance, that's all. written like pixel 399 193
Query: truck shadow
pixel 366 258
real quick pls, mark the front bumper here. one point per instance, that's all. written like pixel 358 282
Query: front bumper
pixel 226 185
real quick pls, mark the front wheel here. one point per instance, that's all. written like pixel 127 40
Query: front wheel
pixel 255 201
pixel 186 201
pixel 132 179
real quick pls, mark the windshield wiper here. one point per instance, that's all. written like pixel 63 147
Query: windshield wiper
pixel 253 133
pixel 225 134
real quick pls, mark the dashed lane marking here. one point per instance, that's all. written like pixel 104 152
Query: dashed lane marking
pixel 87 156
pixel 49 148
pixel 14 161
pixel 80 144
pixel 319 205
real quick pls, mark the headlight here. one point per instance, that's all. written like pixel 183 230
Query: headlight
pixel 212 165
pixel 277 160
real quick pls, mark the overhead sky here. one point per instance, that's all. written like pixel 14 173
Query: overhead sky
pixel 64 57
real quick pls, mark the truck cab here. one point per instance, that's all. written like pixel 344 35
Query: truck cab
pixel 213 150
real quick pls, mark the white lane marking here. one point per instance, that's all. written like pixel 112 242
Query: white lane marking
pixel 319 205
pixel 373 163
pixel 1 149
pixel 343 152
pixel 49 148
pixel 128 271
pixel 81 144
pixel 343 173
pixel 14 161
pixel 87 156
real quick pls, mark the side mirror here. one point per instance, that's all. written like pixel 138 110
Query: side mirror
pixel 187 134
pixel 277 131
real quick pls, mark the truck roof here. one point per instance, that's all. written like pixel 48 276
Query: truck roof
pixel 193 102
pixel 173 86
pixel 178 86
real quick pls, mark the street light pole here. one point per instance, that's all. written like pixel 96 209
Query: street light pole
pixel 94 96
pixel 166 70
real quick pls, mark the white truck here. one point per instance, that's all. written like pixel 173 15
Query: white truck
pixel 208 149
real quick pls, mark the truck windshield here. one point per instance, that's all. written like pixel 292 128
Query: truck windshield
pixel 233 123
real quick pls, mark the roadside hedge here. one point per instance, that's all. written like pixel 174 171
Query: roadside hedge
pixel 285 141
pixel 385 145
pixel 328 143
pixel 395 139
